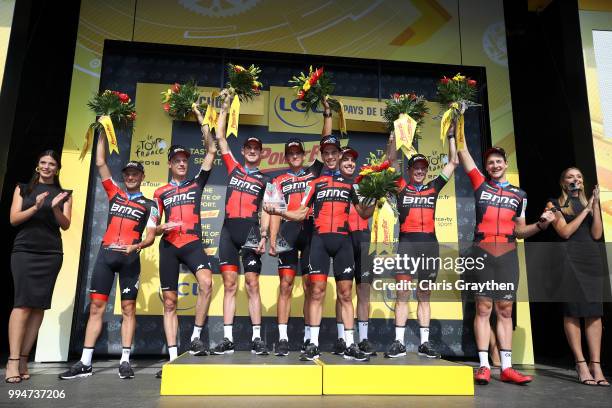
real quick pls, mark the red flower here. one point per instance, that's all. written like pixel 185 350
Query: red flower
pixel 123 98
pixel 384 165
pixel 413 96
pixel 317 74
pixel 300 95
pixel 176 87
pixel 116 93
pixel 313 79
pixel 471 83
pixel 444 80
pixel 166 107
pixel 255 88
pixel 132 116
pixel 358 179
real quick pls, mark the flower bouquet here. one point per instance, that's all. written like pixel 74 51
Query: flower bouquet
pixel 113 109
pixel 377 181
pixel 455 95
pixel 179 99
pixel 314 88
pixel 409 104
pixel 243 82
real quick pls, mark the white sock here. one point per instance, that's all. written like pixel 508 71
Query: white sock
pixel 256 331
pixel 349 337
pixel 424 334
pixel 340 327
pixel 306 333
pixel 197 330
pixel 314 335
pixel 228 331
pixel 484 358
pixel 506 358
pixel 125 354
pixel 86 355
pixel 363 330
pixel 399 333
pixel 173 352
pixel 282 332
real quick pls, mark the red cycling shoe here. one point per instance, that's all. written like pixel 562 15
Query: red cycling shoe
pixel 483 376
pixel 513 376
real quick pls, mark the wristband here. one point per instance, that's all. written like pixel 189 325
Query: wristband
pixel 327 115
pixel 539 226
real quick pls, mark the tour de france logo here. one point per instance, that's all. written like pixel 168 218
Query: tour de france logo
pixel 494 43
pixel 218 8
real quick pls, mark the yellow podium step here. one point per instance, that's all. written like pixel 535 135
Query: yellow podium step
pixel 241 373
pixel 410 375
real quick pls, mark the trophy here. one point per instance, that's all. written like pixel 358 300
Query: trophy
pixel 252 241
pixel 282 245
pixel 274 197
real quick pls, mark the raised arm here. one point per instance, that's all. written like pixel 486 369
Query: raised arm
pixel 466 158
pixel 392 151
pixel 222 123
pixel 327 119
pixel 453 159
pixel 103 169
pixel 207 141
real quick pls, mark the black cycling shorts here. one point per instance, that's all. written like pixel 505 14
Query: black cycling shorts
pixel 424 246
pixel 298 235
pixel 234 235
pixel 191 255
pixel 107 264
pixel 331 246
pixel 503 269
pixel 363 260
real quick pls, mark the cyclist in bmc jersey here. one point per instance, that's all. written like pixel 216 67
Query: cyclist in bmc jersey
pixel 359 232
pixel 297 234
pixel 331 196
pixel 244 194
pixel 129 214
pixel 500 219
pixel 180 202
pixel 416 204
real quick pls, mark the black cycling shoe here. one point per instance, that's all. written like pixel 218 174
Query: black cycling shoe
pixel 282 348
pixel 304 345
pixel 158 374
pixel 225 347
pixel 125 370
pixel 311 353
pixel 397 349
pixel 353 353
pixel 258 347
pixel 78 370
pixel 339 347
pixel 366 347
pixel 197 348
pixel 427 350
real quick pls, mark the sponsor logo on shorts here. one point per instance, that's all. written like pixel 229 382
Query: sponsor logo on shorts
pixel 253 262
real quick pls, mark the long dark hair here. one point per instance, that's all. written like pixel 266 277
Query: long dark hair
pixel 35 177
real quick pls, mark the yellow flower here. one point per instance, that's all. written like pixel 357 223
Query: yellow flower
pixel 366 172
pixel 167 95
pixel 306 86
pixel 458 77
pixel 391 169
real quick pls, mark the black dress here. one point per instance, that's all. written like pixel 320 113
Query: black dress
pixel 37 251
pixel 583 268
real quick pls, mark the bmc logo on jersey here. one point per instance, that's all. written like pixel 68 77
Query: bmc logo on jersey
pixel 190 196
pixel 294 187
pixel 123 209
pixel 243 184
pixel 412 200
pixel 333 193
pixel 497 199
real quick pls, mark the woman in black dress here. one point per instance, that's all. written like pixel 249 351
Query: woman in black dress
pixel 578 222
pixel 39 209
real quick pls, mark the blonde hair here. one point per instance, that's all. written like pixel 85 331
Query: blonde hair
pixel 565 196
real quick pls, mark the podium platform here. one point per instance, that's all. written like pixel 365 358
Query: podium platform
pixel 244 373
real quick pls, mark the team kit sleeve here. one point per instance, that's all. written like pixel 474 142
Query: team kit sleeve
pixel 476 178
pixel 111 188
pixel 309 193
pixel 522 208
pixel 202 178
pixel 354 196
pixel 153 216
pixel 158 203
pixel 316 167
pixel 230 162
pixel 439 182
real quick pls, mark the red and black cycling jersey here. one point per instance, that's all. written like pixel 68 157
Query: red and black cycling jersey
pixel 181 204
pixel 128 216
pixel 245 190
pixel 331 198
pixel 417 205
pixel 497 206
pixel 293 185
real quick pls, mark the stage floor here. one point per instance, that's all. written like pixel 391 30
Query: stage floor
pixel 553 386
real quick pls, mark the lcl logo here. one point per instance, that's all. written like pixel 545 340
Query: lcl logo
pixel 283 105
